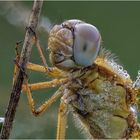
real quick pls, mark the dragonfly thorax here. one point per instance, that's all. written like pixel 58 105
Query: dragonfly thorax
pixel 103 103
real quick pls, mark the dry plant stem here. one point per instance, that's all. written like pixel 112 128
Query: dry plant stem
pixel 16 89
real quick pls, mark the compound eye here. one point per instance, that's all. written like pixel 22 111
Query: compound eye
pixel 86 44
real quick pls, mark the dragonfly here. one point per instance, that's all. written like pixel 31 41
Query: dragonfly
pixel 92 85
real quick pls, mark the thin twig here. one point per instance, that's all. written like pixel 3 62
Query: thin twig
pixel 25 54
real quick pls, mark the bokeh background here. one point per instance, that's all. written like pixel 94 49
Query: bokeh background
pixel 119 24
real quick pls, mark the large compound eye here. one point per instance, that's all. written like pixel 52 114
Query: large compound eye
pixel 86 44
pixel 73 44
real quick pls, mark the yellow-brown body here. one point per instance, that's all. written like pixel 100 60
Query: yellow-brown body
pixel 105 103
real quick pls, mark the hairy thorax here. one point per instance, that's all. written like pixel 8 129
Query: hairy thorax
pixel 103 102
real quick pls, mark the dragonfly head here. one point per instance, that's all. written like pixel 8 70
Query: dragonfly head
pixel 73 44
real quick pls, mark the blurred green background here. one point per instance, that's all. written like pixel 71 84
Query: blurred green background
pixel 119 24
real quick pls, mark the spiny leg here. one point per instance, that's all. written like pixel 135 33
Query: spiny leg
pixel 41 85
pixel 62 115
pixel 62 121
pixel 45 105
pixel 16 60
pixel 41 54
pixel 53 71
pixel 50 71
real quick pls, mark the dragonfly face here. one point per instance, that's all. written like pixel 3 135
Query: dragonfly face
pixel 100 92
pixel 74 43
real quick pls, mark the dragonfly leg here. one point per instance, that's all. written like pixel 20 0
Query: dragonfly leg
pixel 51 71
pixel 45 105
pixel 41 85
pixel 62 121
pixel 16 60
pixel 54 72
